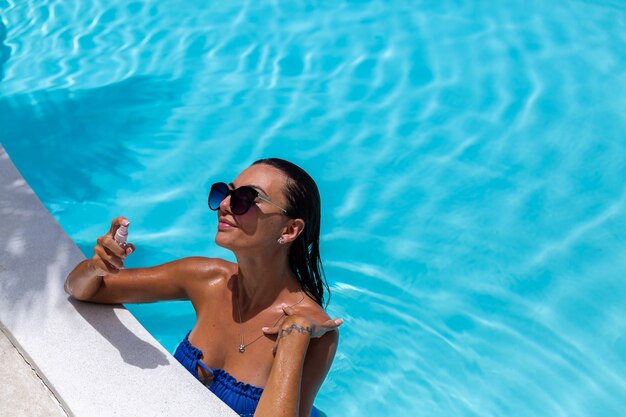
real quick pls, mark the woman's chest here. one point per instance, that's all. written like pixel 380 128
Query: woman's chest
pixel 241 349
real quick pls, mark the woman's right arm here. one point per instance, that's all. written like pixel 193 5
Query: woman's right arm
pixel 102 278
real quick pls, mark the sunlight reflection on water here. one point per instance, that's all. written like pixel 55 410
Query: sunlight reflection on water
pixel 470 157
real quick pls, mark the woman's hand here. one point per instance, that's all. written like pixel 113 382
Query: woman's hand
pixel 85 280
pixel 108 255
pixel 296 322
pixel 282 395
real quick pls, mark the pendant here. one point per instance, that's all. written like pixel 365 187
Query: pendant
pixel 242 347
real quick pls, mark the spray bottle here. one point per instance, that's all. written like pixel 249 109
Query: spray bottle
pixel 121 234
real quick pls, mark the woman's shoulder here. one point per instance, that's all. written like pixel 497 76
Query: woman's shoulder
pixel 209 266
pixel 311 308
pixel 202 270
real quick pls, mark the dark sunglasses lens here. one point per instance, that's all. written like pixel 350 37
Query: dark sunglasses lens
pixel 241 200
pixel 218 193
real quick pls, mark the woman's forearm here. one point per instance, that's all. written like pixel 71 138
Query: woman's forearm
pixel 281 396
pixel 84 281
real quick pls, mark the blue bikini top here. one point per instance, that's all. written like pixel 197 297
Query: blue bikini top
pixel 242 398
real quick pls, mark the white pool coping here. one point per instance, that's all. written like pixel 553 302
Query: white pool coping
pixel 97 360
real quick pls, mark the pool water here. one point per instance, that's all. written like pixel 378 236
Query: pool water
pixel 470 154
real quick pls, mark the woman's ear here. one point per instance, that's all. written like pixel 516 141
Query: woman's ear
pixel 292 231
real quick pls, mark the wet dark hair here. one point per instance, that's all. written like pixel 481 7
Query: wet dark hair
pixel 303 202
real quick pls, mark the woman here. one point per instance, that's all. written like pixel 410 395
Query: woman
pixel 262 341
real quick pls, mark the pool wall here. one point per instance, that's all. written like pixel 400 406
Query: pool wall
pixel 96 359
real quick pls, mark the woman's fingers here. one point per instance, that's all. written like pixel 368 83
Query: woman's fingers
pixel 103 266
pixel 335 322
pixel 289 311
pixel 105 255
pixel 321 329
pixel 114 252
pixel 271 330
pixel 130 248
pixel 111 246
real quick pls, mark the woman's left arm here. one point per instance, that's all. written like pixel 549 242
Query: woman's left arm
pixel 317 363
pixel 304 353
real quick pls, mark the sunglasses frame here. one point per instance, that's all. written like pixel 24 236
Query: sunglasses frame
pixel 232 192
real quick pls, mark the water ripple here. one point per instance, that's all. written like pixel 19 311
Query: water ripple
pixel 469 155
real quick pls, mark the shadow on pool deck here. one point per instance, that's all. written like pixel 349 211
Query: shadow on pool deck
pixel 133 350
pixel 87 354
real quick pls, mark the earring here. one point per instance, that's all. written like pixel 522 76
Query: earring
pixel 281 241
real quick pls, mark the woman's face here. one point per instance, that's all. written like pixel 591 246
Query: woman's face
pixel 263 223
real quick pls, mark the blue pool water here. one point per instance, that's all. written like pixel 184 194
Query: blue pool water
pixel 471 157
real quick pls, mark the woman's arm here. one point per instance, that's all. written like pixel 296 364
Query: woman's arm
pixel 176 280
pixel 102 278
pixel 281 395
pixel 288 393
pixel 317 363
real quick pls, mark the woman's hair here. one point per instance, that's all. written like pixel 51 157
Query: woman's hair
pixel 303 202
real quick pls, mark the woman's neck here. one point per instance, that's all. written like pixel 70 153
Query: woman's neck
pixel 262 280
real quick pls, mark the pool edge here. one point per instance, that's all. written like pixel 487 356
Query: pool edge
pixel 87 355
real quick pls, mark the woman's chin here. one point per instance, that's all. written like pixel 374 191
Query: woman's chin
pixel 223 240
pixel 220 241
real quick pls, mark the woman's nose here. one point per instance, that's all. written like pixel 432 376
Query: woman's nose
pixel 225 204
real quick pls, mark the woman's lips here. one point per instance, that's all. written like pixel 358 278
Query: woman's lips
pixel 223 225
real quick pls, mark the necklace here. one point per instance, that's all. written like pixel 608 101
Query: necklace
pixel 243 346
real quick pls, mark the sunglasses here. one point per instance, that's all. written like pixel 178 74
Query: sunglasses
pixel 241 199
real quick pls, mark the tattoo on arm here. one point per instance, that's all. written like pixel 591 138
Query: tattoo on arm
pixel 296 328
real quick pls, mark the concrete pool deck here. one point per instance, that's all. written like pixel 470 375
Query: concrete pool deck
pixel 60 357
